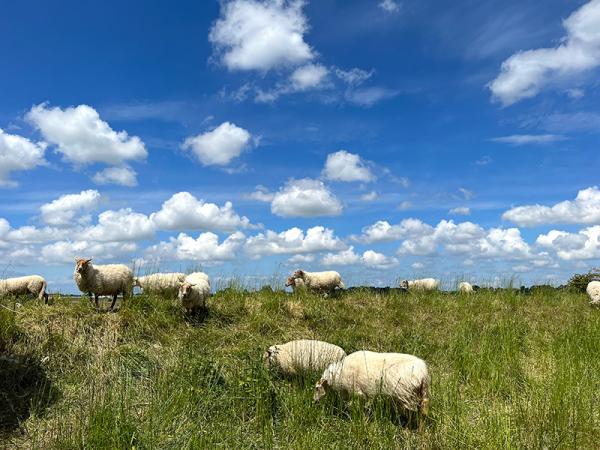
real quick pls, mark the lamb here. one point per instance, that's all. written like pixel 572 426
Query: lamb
pixel 425 284
pixel 297 284
pixel 403 378
pixel 109 279
pixel 320 281
pixel 465 288
pixel 302 355
pixel 593 291
pixel 160 283
pixel 32 284
pixel 194 291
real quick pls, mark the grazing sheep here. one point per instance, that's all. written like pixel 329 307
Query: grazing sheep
pixel 426 284
pixel 302 355
pixel 403 378
pixel 320 281
pixel 593 291
pixel 194 291
pixel 32 284
pixel 160 283
pixel 109 279
pixel 297 284
pixel 465 288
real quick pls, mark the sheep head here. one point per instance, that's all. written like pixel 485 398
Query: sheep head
pixel 184 290
pixel 81 264
pixel 298 274
pixel 269 356
pixel 404 284
pixel 291 281
pixel 320 389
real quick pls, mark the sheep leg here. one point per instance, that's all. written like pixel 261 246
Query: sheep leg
pixel 112 305
pixel 96 300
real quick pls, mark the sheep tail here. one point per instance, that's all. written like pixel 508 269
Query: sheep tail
pixel 43 294
pixel 424 396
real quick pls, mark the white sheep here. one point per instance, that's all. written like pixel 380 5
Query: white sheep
pixel 32 284
pixel 403 378
pixel 194 291
pixel 593 291
pixel 160 283
pixel 302 355
pixel 320 281
pixel 425 284
pixel 297 284
pixel 109 279
pixel 465 288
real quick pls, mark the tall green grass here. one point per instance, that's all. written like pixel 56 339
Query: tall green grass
pixel 509 371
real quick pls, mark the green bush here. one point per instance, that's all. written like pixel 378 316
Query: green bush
pixel 579 281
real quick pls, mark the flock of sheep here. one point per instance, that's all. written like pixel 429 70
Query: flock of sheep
pixel 402 378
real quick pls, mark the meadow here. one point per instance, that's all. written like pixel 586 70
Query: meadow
pixel 509 370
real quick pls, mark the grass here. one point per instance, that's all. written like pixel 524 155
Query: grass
pixel 509 371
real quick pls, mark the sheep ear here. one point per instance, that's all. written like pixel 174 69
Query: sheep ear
pixel 88 260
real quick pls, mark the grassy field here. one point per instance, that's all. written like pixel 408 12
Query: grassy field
pixel 509 371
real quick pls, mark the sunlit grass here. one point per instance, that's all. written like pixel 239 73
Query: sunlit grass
pixel 509 371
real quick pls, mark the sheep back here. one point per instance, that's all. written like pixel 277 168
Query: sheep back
pixel 160 283
pixel 31 284
pixel 302 355
pixel 593 291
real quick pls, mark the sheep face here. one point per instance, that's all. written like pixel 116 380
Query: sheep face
pixel 269 356
pixel 298 274
pixel 291 281
pixel 185 290
pixel 320 389
pixel 404 284
pixel 81 265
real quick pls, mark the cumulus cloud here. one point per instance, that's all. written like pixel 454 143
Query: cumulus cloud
pixel 63 211
pixel 293 241
pixel 526 73
pixel 354 76
pixel 377 260
pixel 573 246
pixel 261 35
pixel 119 226
pixel 382 231
pixel 220 146
pixel 305 198
pixel 345 166
pixel 346 257
pixel 17 154
pixel 307 77
pixel 524 139
pixel 585 209
pixel 369 258
pixel 124 176
pixel 83 138
pixel 183 211
pixel 369 196
pixel 205 248
pixel 261 194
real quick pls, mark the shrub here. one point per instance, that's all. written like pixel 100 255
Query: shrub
pixel 579 281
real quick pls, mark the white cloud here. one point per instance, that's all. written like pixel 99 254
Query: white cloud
pixel 261 194
pixel 390 6
pixel 345 166
pixel 261 35
pixel 460 211
pixel 524 139
pixel 299 259
pixel 526 73
pixel 573 246
pixel 585 209
pixel 417 265
pixel 63 252
pixel 308 77
pixel 183 211
pixel 18 153
pixel 124 176
pixel 119 226
pixel 64 210
pixel 354 76
pixel 293 241
pixel 219 146
pixel 344 258
pixel 305 198
pixel 382 231
pixel 377 260
pixel 205 248
pixel 369 196
pixel 83 138
pixel 467 194
pixel 404 205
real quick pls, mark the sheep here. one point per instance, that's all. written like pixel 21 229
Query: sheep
pixel 109 279
pixel 302 355
pixel 403 378
pixel 465 288
pixel 194 291
pixel 320 281
pixel 426 284
pixel 593 291
pixel 297 284
pixel 160 283
pixel 32 284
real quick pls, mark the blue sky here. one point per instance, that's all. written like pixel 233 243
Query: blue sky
pixel 383 139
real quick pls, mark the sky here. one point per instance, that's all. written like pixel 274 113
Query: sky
pixel 383 139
